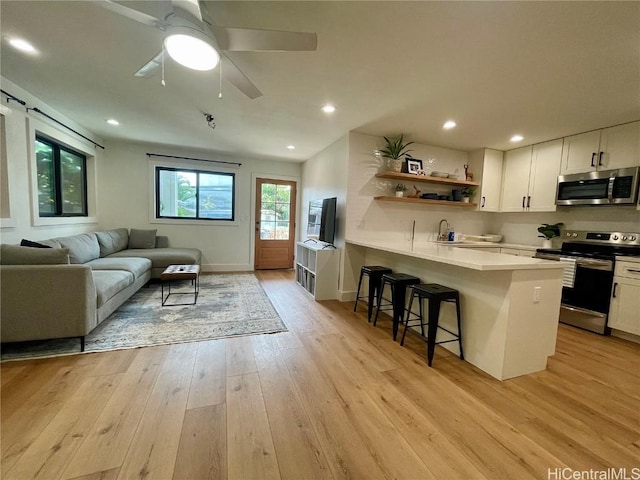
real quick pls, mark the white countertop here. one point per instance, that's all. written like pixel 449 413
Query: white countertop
pixel 463 257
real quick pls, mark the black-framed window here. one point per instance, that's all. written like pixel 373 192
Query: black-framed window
pixel 62 179
pixel 194 194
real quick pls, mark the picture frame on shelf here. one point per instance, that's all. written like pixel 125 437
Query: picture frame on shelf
pixel 414 166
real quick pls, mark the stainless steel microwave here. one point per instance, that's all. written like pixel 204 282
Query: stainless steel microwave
pixel 606 187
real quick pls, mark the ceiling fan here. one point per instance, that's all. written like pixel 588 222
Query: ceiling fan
pixel 198 44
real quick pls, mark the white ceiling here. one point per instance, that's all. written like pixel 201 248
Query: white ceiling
pixel 541 69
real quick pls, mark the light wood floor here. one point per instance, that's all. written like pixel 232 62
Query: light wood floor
pixel 332 398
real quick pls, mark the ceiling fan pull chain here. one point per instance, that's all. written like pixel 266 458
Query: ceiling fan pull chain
pixel 220 68
pixel 162 62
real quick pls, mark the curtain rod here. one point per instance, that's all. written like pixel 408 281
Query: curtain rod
pixel 192 158
pixel 37 110
pixel 14 98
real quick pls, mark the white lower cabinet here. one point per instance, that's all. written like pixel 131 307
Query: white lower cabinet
pixel 624 313
pixel 317 270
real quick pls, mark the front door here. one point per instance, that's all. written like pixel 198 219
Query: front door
pixel 275 223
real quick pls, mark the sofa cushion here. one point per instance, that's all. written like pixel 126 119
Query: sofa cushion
pixel 136 266
pixel 112 241
pixel 163 257
pixel 142 238
pixel 109 283
pixel 17 255
pixel 82 248
pixel 31 243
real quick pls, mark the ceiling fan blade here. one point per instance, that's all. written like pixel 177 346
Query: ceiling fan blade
pixel 234 75
pixel 253 40
pixel 139 17
pixel 151 67
pixel 189 7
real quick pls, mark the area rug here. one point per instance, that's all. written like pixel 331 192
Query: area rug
pixel 228 305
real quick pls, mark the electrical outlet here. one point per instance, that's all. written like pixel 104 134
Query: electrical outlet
pixel 537 292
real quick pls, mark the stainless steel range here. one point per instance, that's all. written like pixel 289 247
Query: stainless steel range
pixel 590 259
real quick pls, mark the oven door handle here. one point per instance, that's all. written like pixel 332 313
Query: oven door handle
pixel 595 264
pixel 612 180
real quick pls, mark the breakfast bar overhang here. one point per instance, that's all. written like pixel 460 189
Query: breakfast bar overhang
pixel 510 304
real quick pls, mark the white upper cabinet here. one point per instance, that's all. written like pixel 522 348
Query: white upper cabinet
pixel 620 146
pixel 515 179
pixel 530 178
pixel 543 178
pixel 488 164
pixel 605 149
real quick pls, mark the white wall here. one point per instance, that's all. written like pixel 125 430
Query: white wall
pixel 368 218
pixel 523 227
pixel 22 194
pixel 323 176
pixel 126 193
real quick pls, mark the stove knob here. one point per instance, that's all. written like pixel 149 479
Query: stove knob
pixel 633 238
pixel 568 234
pixel 616 237
pixel 624 238
pixel 574 235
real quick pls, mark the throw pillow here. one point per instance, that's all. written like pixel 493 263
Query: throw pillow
pixel 31 243
pixel 112 241
pixel 17 255
pixel 82 248
pixel 142 238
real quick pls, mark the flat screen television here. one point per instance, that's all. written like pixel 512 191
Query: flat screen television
pixel 328 220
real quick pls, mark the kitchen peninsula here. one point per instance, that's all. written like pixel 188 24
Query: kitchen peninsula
pixel 510 304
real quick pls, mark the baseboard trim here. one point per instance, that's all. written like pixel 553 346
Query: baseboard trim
pixel 346 295
pixel 229 267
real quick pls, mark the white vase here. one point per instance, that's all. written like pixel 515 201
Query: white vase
pixel 399 194
pixel 465 199
pixel 547 243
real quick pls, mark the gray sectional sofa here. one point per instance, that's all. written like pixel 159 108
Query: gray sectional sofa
pixel 71 284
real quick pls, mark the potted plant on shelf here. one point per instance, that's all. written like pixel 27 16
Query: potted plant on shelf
pixel 394 150
pixel 467 193
pixel 400 189
pixel 549 231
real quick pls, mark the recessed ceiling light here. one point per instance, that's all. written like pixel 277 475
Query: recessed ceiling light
pixel 113 121
pixel 328 109
pixel 22 45
pixel 517 138
pixel 291 147
pixel 449 125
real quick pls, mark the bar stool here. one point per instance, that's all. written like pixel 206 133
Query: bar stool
pixel 436 294
pixel 398 283
pixel 374 272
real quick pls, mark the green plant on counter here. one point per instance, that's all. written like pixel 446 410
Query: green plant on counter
pixel 550 231
pixel 394 148
pixel 401 188
pixel 468 191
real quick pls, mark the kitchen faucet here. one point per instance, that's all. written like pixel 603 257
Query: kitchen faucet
pixel 443 236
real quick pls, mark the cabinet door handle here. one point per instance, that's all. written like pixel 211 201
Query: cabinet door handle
pixel 529 201
pixel 483 199
pixel 523 199
pixel 600 159
pixel 632 270
pixel 615 286
pixel 593 159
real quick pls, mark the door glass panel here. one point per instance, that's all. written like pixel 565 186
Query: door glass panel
pixel 268 231
pixel 275 211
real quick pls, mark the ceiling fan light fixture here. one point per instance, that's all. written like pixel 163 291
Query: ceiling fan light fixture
pixel 192 51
